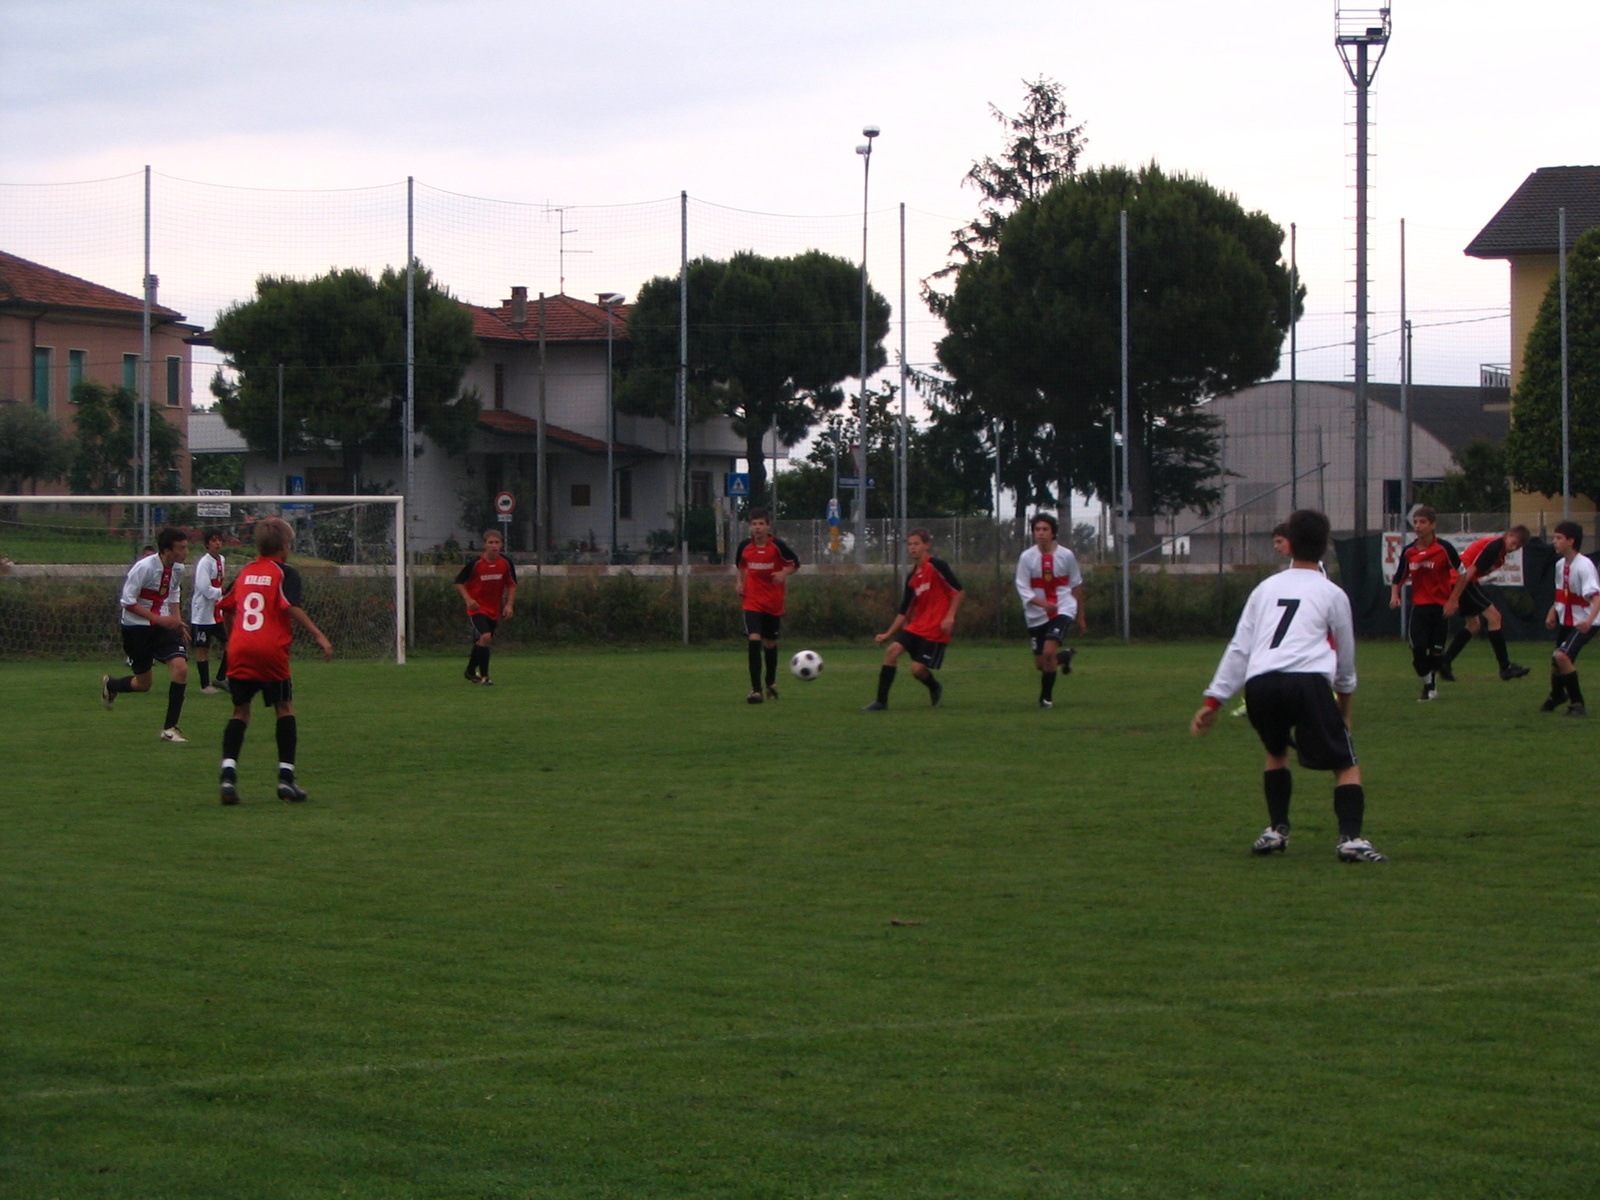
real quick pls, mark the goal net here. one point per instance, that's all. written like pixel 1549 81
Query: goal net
pixel 63 560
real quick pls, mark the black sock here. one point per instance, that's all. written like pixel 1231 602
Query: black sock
pixel 1419 661
pixel 1279 786
pixel 288 735
pixel 1457 645
pixel 475 660
pixel 483 660
pixel 174 703
pixel 222 666
pixel 125 684
pixel 1574 692
pixel 1497 640
pixel 1558 686
pixel 770 653
pixel 755 666
pixel 1349 805
pixel 233 738
pixel 885 682
pixel 1047 684
pixel 927 681
pixel 205 673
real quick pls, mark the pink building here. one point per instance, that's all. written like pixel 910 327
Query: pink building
pixel 57 329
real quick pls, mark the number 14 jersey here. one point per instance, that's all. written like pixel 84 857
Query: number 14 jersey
pixel 261 629
pixel 1296 622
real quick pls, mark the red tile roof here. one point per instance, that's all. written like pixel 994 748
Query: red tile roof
pixel 24 282
pixel 566 319
pixel 501 420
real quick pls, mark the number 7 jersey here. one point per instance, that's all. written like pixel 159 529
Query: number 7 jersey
pixel 261 629
pixel 1295 622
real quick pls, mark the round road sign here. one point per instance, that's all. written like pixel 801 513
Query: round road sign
pixel 505 504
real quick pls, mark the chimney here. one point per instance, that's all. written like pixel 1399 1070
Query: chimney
pixel 519 306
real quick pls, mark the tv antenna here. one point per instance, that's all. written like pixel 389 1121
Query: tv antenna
pixel 561 247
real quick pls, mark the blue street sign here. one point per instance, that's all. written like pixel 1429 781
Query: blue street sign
pixel 158 516
pixel 737 483
pixel 296 487
pixel 852 481
pixel 833 512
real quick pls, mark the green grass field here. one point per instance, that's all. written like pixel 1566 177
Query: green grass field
pixel 606 931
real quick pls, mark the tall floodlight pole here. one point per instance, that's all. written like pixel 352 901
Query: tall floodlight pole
pixel 1405 388
pixel 1294 375
pixel 683 407
pixel 541 493
pixel 1356 33
pixel 903 465
pixel 1126 494
pixel 1566 430
pixel 144 371
pixel 865 150
pixel 609 301
pixel 410 439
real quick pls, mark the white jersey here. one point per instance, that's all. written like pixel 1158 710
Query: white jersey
pixel 1577 584
pixel 207 589
pixel 1295 621
pixel 151 584
pixel 1043 580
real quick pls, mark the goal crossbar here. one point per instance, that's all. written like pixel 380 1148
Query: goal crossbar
pixel 402 557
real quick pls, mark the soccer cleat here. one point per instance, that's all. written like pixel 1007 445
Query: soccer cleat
pixel 1064 659
pixel 1428 693
pixel 1446 674
pixel 936 693
pixel 211 691
pixel 107 696
pixel 875 706
pixel 753 698
pixel 1514 671
pixel 1273 838
pixel 772 692
pixel 485 681
pixel 230 789
pixel 472 677
pixel 1577 710
pixel 173 734
pixel 1359 850
pixel 1551 703
pixel 1043 703
pixel 289 790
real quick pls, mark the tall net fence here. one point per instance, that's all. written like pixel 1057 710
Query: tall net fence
pixel 63 562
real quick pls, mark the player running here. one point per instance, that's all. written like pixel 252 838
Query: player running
pixel 1051 586
pixel 208 631
pixel 1431 566
pixel 1484 557
pixel 1571 616
pixel 262 608
pixel 765 564
pixel 489 586
pixel 922 627
pixel 152 630
pixel 1295 638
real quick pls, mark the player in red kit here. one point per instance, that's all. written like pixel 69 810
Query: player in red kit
pixel 765 564
pixel 262 610
pixel 1484 557
pixel 922 628
pixel 1430 565
pixel 489 586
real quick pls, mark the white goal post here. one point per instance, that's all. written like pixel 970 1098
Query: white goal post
pixel 42 536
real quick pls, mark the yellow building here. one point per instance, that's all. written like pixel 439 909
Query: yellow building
pixel 1524 233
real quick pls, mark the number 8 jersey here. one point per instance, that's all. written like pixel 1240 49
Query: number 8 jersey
pixel 257 608
pixel 1295 622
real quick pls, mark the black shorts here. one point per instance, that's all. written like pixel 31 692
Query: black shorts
pixel 762 625
pixel 1428 627
pixel 929 654
pixel 1474 601
pixel 1053 630
pixel 1570 641
pixel 146 645
pixel 273 691
pixel 481 624
pixel 1298 709
pixel 209 635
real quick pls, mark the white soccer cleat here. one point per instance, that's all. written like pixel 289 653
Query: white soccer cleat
pixel 174 734
pixel 1359 850
pixel 211 691
pixel 107 696
pixel 1275 839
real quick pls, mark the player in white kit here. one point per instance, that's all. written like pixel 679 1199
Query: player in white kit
pixel 208 631
pixel 1294 639
pixel 1051 586
pixel 152 629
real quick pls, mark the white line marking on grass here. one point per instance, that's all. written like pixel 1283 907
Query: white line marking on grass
pixel 1046 1016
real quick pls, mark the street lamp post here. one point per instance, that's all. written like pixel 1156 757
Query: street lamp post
pixel 609 301
pixel 865 150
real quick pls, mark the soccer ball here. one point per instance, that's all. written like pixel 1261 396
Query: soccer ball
pixel 806 665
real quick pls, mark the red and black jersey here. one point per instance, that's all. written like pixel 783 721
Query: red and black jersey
pixel 1487 555
pixel 762 592
pixel 260 628
pixel 487 583
pixel 1431 570
pixel 926 602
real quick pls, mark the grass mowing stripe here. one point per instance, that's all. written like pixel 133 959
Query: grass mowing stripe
pixel 1044 1016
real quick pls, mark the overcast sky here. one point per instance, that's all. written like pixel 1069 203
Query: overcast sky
pixel 759 105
